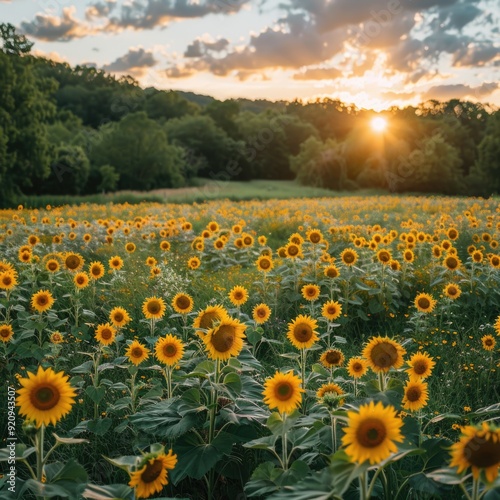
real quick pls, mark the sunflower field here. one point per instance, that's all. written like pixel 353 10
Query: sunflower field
pixel 281 349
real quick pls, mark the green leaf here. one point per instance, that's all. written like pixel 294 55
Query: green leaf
pixel 125 463
pixel 275 422
pixel 264 480
pixel 448 476
pixel 233 386
pixel 253 336
pixel 110 492
pixel 99 426
pixel 96 394
pixel 264 443
pixel 315 487
pixel 21 452
pixel 86 367
pixel 68 440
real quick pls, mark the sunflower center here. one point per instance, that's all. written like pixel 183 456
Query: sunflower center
pixel 284 391
pixel 371 433
pixel 183 302
pixel 45 397
pixel 80 280
pixel 424 303
pixel 42 300
pixel 52 266
pixel 420 367
pixel 482 452
pixel 384 355
pixel 333 357
pixel 357 367
pixel 136 352
pixel 311 292
pixel 170 350
pixel 265 264
pixel 413 394
pixel 238 295
pixel 96 271
pixel 4 333
pixel 223 339
pixel 332 310
pixel 384 257
pixel 314 238
pixel 293 250
pixel 152 471
pixel 452 290
pixel 348 258
pixel 72 262
pixel 332 273
pixel 154 307
pixel 115 263
pixel 6 280
pixel 451 262
pixel 106 334
pixel 118 317
pixel 261 313
pixel 489 342
pixel 208 319
pixel 302 332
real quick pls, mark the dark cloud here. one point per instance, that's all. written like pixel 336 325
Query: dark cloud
pixel 458 16
pixel 50 28
pixel 100 9
pixel 198 48
pixel 134 61
pixel 476 54
pixel 318 74
pixel 457 91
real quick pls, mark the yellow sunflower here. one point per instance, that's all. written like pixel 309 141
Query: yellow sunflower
pixel 119 317
pixel 137 352
pixel 52 265
pixel 372 433
pixel 421 365
pixel 452 233
pixel 45 397
pixel 395 265
pixel 208 318
pixel 383 353
pixel 225 339
pixel 310 292
pixel 182 303
pixel 331 358
pixel 283 392
pixel 152 474
pixel 6 333
pixel 357 367
pixel 169 350
pixel 314 236
pixel 408 255
pixel 495 261
pixel 452 262
pixel 105 334
pixel 452 291
pixel 194 263
pixel 349 257
pixel 333 389
pixel 96 270
pixel 8 280
pixel 416 395
pixel 238 295
pixel 488 342
pixel 81 280
pixel 56 338
pixel 384 256
pixel 302 332
pixel 293 251
pixel 130 247
pixel 478 448
pixel 331 272
pixel 42 301
pixel 496 326
pixel 424 302
pixel 153 308
pixel 116 263
pixel 73 261
pixel 331 310
pixel 261 313
pixel 264 263
pixel 165 245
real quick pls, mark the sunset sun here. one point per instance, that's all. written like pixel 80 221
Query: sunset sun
pixel 378 124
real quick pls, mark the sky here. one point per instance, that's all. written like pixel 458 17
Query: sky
pixel 373 53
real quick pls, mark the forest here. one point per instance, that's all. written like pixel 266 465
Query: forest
pixel 79 130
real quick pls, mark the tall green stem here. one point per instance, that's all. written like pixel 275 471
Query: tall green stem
pixel 284 443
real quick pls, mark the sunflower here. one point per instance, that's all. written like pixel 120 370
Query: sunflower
pixel 262 240
pixel 96 270
pixel 238 295
pixel 371 433
pixel 382 353
pixel 416 395
pixel 488 342
pixel 52 265
pixel 208 318
pixel 314 236
pixel 105 334
pixel 169 350
pixel 496 326
pixel 331 272
pixel 495 261
pixel 331 310
pixel 45 397
pixel 81 280
pixel 349 256
pixel 119 317
pixel 424 303
pixel 357 367
pixel 283 392
pixel 153 308
pixel 301 332
pixel 8 280
pixel 152 474
pixel 421 365
pixel 165 245
pixel 42 301
pixel 6 333
pixel 182 303
pixel 384 256
pixel 261 313
pixel 408 255
pixel 130 247
pixel 478 448
pixel 264 263
pixel 212 226
pixel 137 352
pixel 331 358
pixel 25 256
pixel 452 291
pixel 436 251
pixel 116 263
pixel 73 261
pixel 293 251
pixel 310 292
pixel 56 338
pixel 452 233
pixel 332 389
pixel 194 263
pixel 452 262
pixel 225 339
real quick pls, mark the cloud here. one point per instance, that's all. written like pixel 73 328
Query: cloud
pixel 135 62
pixel 100 9
pixel 476 54
pixel 318 74
pixel 50 28
pixel 199 47
pixel 459 90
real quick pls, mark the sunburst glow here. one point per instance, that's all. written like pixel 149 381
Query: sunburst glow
pixel 378 124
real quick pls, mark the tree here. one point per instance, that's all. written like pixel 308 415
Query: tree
pixel 109 178
pixel 162 106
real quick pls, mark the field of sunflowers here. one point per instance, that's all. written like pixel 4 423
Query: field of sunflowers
pixel 281 349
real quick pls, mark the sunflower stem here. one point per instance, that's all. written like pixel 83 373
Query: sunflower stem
pixel 284 443
pixel 363 494
pixel 211 429
pixel 381 381
pixel 475 489
pixel 334 433
pixel 39 453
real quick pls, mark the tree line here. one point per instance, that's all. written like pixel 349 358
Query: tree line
pixel 79 130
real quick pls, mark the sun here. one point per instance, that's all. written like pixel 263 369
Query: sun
pixel 378 124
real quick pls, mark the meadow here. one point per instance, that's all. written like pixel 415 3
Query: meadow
pixel 342 347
